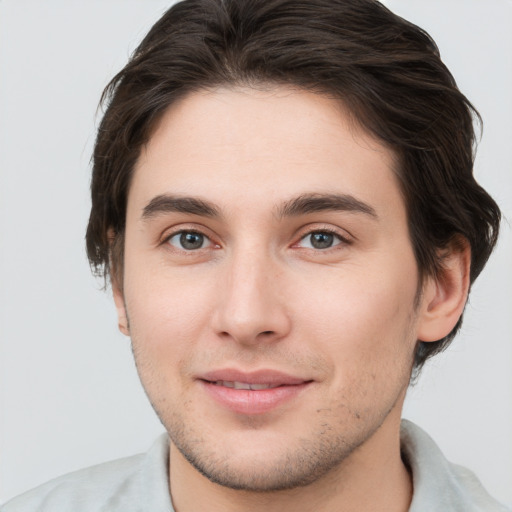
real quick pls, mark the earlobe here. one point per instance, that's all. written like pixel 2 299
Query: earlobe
pixel 445 295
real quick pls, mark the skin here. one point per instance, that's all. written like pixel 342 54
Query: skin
pixel 258 294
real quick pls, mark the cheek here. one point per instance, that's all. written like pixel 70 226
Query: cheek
pixel 366 335
pixel 166 323
pixel 168 313
pixel 363 319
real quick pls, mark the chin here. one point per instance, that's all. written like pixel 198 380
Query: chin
pixel 276 465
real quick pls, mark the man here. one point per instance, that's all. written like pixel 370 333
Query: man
pixel 283 201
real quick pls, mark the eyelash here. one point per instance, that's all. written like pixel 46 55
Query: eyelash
pixel 323 230
pixel 342 240
pixel 181 232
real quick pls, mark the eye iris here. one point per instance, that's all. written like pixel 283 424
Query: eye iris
pixel 191 240
pixel 322 240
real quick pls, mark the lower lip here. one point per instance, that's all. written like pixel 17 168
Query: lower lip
pixel 245 401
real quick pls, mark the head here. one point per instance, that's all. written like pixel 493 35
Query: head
pixel 386 71
pixel 382 75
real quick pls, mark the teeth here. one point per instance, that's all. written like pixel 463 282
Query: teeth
pixel 262 386
pixel 244 385
pixel 241 385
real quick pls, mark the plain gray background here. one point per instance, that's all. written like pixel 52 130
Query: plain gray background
pixel 69 394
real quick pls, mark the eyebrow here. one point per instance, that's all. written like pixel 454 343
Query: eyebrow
pixel 168 203
pixel 312 203
pixel 301 205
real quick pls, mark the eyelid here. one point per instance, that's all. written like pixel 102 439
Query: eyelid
pixel 342 234
pixel 188 228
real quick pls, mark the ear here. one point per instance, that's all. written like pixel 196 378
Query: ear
pixel 122 317
pixel 117 289
pixel 445 295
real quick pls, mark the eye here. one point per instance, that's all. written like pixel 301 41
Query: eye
pixel 189 240
pixel 320 240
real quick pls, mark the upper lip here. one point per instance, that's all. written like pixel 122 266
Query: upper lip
pixel 264 376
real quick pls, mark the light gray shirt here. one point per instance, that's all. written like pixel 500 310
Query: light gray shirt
pixel 141 483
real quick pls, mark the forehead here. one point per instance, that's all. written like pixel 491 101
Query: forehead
pixel 262 145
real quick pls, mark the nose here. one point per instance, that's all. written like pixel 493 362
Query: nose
pixel 251 307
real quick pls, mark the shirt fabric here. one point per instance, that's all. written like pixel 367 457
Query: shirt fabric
pixel 140 483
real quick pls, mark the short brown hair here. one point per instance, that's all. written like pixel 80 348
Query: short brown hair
pixel 387 71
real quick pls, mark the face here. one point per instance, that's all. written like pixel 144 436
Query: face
pixel 269 285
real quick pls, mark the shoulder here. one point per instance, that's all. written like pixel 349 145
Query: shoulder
pixel 439 484
pixel 117 485
pixel 84 489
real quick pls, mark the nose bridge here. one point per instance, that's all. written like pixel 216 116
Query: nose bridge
pixel 251 306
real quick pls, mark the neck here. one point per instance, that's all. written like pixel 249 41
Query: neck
pixel 373 478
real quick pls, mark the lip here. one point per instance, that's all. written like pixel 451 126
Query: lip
pixel 250 402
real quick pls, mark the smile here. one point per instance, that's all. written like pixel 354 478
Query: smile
pixel 251 393
pixel 244 385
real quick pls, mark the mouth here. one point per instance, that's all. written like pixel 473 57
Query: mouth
pixel 244 385
pixel 253 392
